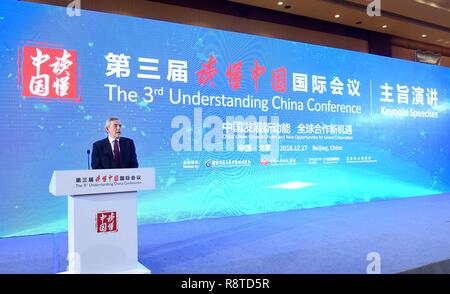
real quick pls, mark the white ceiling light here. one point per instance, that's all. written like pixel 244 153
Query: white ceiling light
pixel 292 185
pixel 433 4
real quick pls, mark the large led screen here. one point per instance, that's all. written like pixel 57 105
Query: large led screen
pixel 234 124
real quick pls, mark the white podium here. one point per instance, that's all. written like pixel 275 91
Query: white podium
pixel 102 221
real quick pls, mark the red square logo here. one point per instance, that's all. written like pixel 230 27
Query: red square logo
pixel 49 73
pixel 106 221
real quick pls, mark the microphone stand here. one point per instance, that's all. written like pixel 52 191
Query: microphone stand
pixel 88 152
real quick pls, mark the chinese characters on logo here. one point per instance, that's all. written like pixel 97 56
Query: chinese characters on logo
pixel 106 221
pixel 49 73
pixel 118 65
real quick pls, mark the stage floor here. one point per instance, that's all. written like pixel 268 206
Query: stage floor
pixel 407 233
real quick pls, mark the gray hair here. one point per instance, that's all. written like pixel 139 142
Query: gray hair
pixel 109 120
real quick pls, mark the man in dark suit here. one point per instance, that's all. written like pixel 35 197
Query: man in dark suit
pixel 114 151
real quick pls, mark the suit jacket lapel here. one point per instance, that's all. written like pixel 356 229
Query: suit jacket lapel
pixel 108 149
pixel 122 151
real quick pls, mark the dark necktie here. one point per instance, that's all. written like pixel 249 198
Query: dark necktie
pixel 116 153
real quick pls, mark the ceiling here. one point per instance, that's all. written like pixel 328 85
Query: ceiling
pixel 426 21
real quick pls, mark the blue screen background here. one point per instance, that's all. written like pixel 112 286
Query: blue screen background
pixel 40 136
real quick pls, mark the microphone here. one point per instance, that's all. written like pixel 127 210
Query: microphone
pixel 88 152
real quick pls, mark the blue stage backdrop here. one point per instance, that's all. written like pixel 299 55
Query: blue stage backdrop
pixel 234 124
